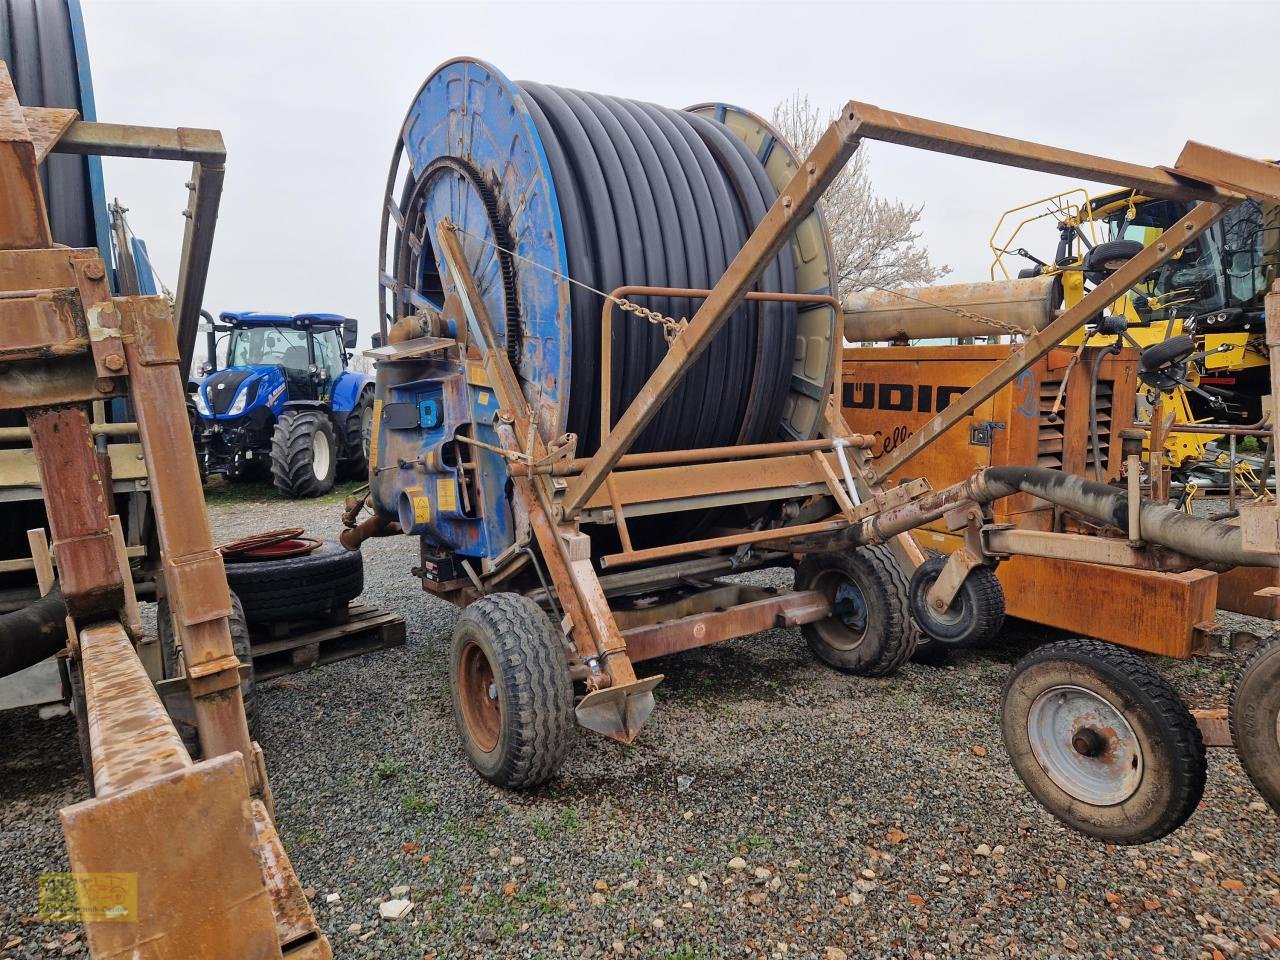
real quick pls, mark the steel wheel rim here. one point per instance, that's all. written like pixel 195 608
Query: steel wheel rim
pixel 320 454
pixel 1085 745
pixel 478 695
pixel 366 429
pixel 850 614
pixel 950 616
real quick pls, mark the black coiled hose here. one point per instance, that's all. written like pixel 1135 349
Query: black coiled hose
pixel 657 197
pixel 29 635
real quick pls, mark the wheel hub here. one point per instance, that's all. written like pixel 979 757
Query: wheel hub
pixel 850 606
pixel 320 454
pixel 1085 745
pixel 478 689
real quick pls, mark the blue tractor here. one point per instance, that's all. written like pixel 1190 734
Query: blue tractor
pixel 285 402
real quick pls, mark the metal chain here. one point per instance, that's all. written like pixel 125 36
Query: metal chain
pixel 671 328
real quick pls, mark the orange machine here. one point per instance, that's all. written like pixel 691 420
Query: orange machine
pixel 890 391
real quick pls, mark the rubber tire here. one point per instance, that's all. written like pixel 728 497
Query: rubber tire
pixel 1106 252
pixel 1173 750
pixel 292 467
pixel 535 694
pixel 889 638
pixel 1255 708
pixel 928 652
pixel 1174 350
pixel 240 644
pixel 980 615
pixel 357 467
pixel 292 588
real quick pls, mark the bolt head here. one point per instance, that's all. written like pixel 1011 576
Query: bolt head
pixel 94 271
pixel 104 385
pixel 113 361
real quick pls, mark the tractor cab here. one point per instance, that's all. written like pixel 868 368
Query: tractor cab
pixel 310 348
pixel 285 400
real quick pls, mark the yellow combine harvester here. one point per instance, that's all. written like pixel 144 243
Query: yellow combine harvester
pixel 1198 320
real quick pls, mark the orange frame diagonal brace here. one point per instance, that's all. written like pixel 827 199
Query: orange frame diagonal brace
pixel 859 121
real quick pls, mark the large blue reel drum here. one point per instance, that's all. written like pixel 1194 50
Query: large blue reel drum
pixel 559 196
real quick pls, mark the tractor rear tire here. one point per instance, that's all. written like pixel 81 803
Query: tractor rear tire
pixel 356 432
pixel 303 454
pixel 1103 741
pixel 173 666
pixel 1255 719
pixel 512 696
pixel 870 632
pixel 297 588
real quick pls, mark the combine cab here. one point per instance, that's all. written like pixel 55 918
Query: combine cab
pixel 285 402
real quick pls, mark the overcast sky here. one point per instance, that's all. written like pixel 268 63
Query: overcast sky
pixel 310 96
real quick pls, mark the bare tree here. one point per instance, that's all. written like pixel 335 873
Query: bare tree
pixel 876 241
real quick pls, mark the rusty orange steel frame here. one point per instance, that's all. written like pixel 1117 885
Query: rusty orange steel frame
pixel 560 492
pixel 212 877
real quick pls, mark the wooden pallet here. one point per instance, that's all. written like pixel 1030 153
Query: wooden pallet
pixel 294 645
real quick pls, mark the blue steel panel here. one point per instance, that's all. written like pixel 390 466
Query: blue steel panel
pixel 146 276
pixel 346 390
pixel 89 111
pixel 469 110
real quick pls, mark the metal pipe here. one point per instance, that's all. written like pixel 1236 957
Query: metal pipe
pixel 374 526
pixel 33 633
pixel 11 434
pixel 671 458
pixel 1160 524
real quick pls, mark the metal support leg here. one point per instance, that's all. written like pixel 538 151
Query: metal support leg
pixel 194 576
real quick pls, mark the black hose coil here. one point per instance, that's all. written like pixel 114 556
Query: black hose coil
pixel 657 197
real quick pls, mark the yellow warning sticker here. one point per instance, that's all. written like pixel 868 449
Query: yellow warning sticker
pixel 447 494
pixel 482 398
pixel 421 509
pixel 94 897
pixel 373 438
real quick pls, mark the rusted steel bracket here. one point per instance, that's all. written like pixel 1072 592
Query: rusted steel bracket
pixel 211 877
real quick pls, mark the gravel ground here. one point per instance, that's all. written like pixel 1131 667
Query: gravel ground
pixel 771 807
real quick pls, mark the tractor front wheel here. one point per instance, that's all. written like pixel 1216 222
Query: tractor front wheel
pixel 303 454
pixel 512 697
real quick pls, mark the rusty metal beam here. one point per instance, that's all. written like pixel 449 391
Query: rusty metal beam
pixel 78 515
pixel 1245 175
pixel 715 626
pixel 889 127
pixel 131 736
pixel 794 203
pixel 205 193
pixel 1199 219
pixel 146 143
pixel 194 577
pixel 184 838
pixel 24 222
